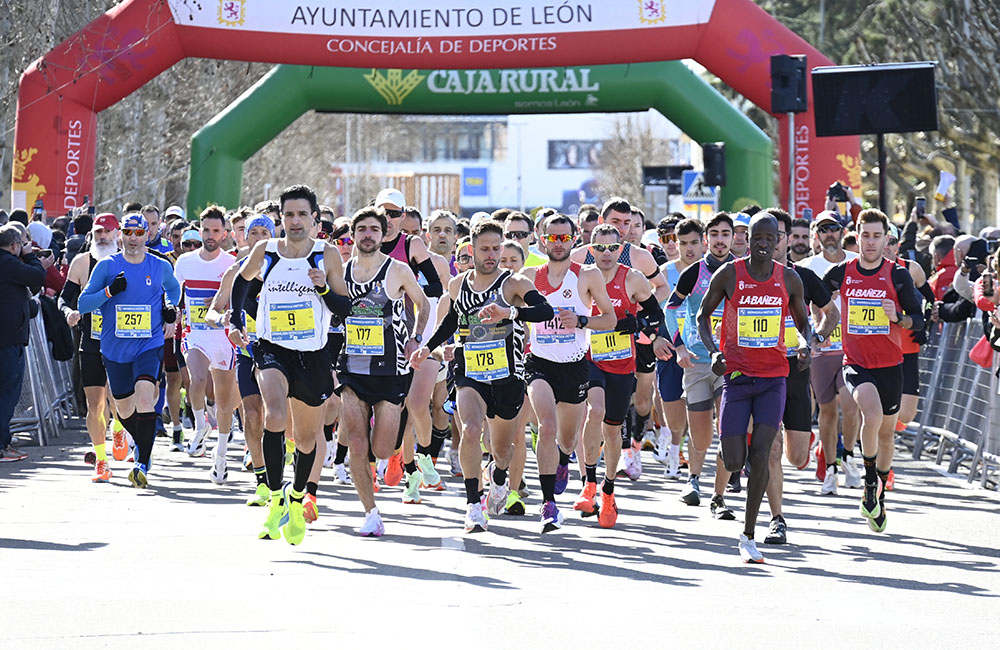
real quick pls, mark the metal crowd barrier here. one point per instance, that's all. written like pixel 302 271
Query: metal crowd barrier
pixel 47 399
pixel 959 411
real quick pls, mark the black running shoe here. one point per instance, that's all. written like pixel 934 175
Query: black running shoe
pixel 776 533
pixel 720 510
pixel 734 486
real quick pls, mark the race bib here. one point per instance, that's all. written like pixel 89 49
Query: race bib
pixel 610 345
pixel 133 321
pixel 251 327
pixel 96 322
pixel 365 336
pixel 791 335
pixel 680 326
pixel 196 312
pixel 865 317
pixel 486 360
pixel 552 331
pixel 291 321
pixel 759 327
pixel 717 324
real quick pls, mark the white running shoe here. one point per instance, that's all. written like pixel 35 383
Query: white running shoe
pixel 331 453
pixel 455 461
pixel 340 475
pixel 475 520
pixel 411 488
pixel 673 469
pixel 829 482
pixel 633 461
pixel 649 440
pixel 196 447
pixel 380 466
pixel 496 498
pixel 852 473
pixel 219 473
pixel 748 551
pixel 373 526
pixel 662 452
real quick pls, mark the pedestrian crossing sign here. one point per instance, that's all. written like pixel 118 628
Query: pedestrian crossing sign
pixel 695 191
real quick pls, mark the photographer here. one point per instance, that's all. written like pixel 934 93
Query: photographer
pixel 21 275
pixel 839 193
pixel 950 307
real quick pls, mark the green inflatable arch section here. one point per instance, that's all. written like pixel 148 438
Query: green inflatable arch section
pixel 220 148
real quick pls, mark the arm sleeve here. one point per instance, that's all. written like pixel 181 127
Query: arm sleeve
pixel 928 293
pixel 538 309
pixel 908 297
pixel 68 297
pixel 93 295
pixel 651 314
pixel 338 304
pixel 444 331
pixel 685 285
pixel 434 288
pixel 237 300
pixel 171 287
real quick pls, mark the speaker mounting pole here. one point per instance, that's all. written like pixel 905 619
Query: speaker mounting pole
pixel 880 143
pixel 791 164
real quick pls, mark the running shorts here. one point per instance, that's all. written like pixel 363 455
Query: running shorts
pixel 888 381
pixel 567 380
pixel 123 376
pixel 618 390
pixel 701 386
pixel 911 373
pixel 745 396
pixel 669 379
pixel 92 372
pixel 798 405
pixel 245 376
pixel 503 398
pixel 645 358
pixel 308 373
pixel 372 389
pixel 216 347
pixel 826 376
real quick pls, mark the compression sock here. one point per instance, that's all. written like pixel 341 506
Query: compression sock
pixel 328 432
pixel 303 467
pixel 438 437
pixel 424 451
pixel 102 454
pixel 472 490
pixel 640 425
pixel 178 433
pixel 871 473
pixel 341 454
pixel 129 424
pixel 563 457
pixel 548 482
pixel 609 486
pixel 591 473
pixel 273 444
pixel 260 474
pixel 884 476
pixel 312 487
pixel 145 433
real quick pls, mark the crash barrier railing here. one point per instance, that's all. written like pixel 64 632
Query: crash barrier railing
pixel 47 399
pixel 959 411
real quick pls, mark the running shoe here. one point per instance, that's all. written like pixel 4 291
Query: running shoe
pixel 247 459
pixel 340 475
pixel 277 516
pixel 877 524
pixel 10 455
pixel 673 469
pixel 102 474
pixel 331 453
pixel 870 507
pixel 820 463
pixel 379 470
pixel 720 510
pixel 661 453
pixel 210 415
pixel 294 529
pixel 411 489
pixel 429 477
pixel 633 462
pixel 748 551
pixel 496 498
pixel 373 526
pixel 289 451
pixel 219 472
pixel 890 481
pixel 649 441
pixel 852 473
pixel 159 430
pixel 608 515
pixel 394 470
pixel 455 462
pixel 515 504
pixel 734 486
pixel 812 441
pixel 523 490
pixel 90 458
pixel 197 448
pixel 178 444
pixel 132 452
pixel 829 482
pixel 562 478
pixel 119 448
pixel 475 519
pixel 260 496
pixel 777 531
pixel 310 510
pixel 586 503
pixel 137 477
pixel 691 494
pixel 681 459
pixel 551 518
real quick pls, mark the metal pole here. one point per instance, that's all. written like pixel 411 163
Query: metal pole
pixel 791 164
pixel 880 141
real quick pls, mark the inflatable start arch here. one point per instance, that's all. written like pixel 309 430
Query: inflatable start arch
pixel 62 93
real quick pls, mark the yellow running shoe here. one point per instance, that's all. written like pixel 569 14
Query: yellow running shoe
pixel 295 528
pixel 276 517
pixel 260 497
pixel 289 451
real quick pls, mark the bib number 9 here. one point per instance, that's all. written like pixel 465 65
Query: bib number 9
pixel 291 321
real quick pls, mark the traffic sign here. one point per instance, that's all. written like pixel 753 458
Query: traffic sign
pixel 695 190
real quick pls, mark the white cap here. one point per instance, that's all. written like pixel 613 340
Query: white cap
pixel 174 211
pixel 392 196
pixel 477 217
pixel 741 219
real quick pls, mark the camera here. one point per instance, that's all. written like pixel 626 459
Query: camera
pixel 837 192
pixel 921 206
pixel 992 246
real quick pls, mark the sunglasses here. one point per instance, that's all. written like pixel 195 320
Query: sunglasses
pixel 138 232
pixel 322 235
pixel 892 241
pixel 558 238
pixel 463 259
pixel 343 241
pixel 828 228
pixel 668 236
pixel 516 234
pixel 605 248
pixel 191 244
pixel 394 214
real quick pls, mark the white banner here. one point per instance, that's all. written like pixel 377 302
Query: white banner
pixel 438 18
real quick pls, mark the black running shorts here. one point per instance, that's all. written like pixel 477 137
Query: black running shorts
pixel 308 373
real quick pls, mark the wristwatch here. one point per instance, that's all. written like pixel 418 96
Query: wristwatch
pixel 513 312
pixel 581 322
pixel 418 338
pixel 819 337
pixel 652 336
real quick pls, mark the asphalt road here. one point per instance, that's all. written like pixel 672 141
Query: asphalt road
pixel 179 566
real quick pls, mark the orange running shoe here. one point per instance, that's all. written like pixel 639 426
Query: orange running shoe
pixel 119 446
pixel 900 425
pixel 586 503
pixel 820 464
pixel 309 508
pixel 683 461
pixel 394 472
pixel 102 473
pixel 609 511
pixel 890 482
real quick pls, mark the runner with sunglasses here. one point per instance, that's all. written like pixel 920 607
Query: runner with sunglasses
pixel 826 371
pixel 135 291
pixel 413 252
pixel 517 227
pixel 488 307
pixel 618 212
pixel 556 370
pixel 611 369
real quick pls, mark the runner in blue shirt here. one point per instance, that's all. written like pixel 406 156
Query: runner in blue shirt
pixel 129 287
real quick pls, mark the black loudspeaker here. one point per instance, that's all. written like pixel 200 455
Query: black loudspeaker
pixel 788 84
pixel 713 156
pixel 873 99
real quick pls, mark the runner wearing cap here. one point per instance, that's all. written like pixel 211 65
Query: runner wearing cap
pixel 135 292
pixel 825 372
pixel 879 302
pixel 154 241
pixel 741 227
pixel 93 377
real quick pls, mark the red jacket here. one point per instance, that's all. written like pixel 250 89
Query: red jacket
pixel 944 275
